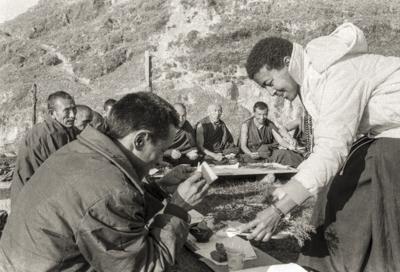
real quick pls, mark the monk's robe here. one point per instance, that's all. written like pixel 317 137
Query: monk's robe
pixel 184 142
pixel 262 140
pixel 217 137
pixel 39 143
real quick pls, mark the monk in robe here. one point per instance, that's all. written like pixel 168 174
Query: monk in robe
pixel 84 116
pixel 260 140
pixel 183 149
pixel 213 137
pixel 45 138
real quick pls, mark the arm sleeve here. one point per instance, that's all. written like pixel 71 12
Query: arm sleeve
pixel 113 236
pixel 343 99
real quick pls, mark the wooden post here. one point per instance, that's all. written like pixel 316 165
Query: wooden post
pixel 147 70
pixel 34 100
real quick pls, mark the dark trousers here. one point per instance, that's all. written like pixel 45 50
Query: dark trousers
pixel 357 218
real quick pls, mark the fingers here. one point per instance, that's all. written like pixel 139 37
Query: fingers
pixel 195 177
pixel 261 235
pixel 184 169
pixel 203 190
pixel 249 226
pixel 188 168
pixel 267 237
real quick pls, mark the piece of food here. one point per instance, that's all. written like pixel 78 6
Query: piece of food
pixel 219 254
pixel 201 232
pixel 208 173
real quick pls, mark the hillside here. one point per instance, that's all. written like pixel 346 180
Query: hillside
pixel 94 49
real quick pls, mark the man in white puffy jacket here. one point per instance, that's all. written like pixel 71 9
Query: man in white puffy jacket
pixel 348 92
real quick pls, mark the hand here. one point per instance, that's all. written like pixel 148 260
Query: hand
pixel 263 226
pixel 175 154
pixel 218 156
pixel 161 164
pixel 175 176
pixel 192 190
pixel 230 156
pixel 192 155
pixel 254 155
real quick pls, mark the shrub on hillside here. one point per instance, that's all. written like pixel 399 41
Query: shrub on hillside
pixel 114 59
pixel 91 68
pixel 50 59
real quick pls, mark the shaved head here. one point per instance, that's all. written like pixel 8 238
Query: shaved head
pixel 61 107
pixel 54 97
pixel 214 112
pixel 181 110
pixel 180 107
pixel 84 116
pixel 214 107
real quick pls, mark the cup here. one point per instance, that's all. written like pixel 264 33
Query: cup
pixel 235 259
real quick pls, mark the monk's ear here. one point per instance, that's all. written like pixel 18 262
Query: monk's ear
pixel 51 113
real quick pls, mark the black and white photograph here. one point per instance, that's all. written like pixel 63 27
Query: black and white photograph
pixel 199 135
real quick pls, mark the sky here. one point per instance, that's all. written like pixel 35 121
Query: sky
pixel 11 8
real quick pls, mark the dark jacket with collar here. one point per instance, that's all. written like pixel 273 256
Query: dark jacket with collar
pixel 85 209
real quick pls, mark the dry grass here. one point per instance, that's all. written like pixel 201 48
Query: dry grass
pixel 240 200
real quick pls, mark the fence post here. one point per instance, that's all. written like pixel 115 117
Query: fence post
pixel 34 100
pixel 147 70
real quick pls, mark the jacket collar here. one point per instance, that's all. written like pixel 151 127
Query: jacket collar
pixel 296 65
pixel 111 151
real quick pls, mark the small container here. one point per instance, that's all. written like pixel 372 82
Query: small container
pixel 235 259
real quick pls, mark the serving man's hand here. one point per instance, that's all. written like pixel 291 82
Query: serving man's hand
pixel 263 226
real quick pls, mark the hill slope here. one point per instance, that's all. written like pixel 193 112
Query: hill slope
pixel 95 50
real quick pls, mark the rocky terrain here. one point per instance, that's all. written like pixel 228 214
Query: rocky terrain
pixel 94 49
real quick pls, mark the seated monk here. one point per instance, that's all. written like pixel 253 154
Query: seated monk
pixel 183 150
pixel 213 137
pixel 56 130
pixel 84 116
pixel 260 139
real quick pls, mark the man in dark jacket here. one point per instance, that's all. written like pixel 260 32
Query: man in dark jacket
pixel 87 208
pixel 45 138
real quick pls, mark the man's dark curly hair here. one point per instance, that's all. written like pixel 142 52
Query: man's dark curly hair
pixel 141 110
pixel 269 51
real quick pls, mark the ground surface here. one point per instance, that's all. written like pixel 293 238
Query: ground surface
pixel 231 200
